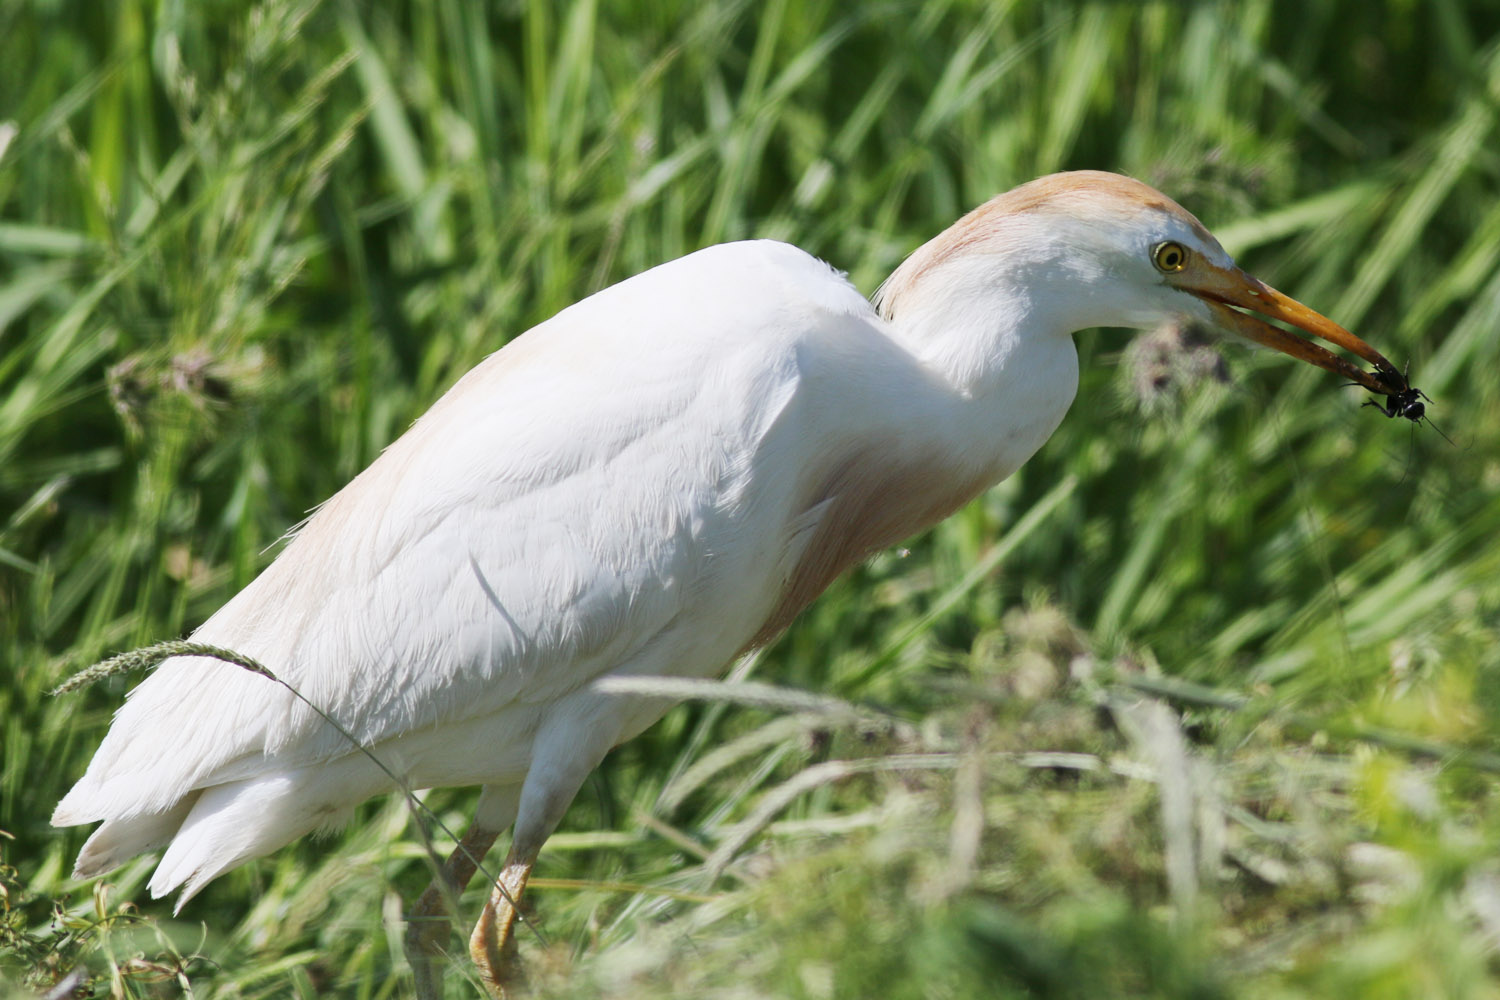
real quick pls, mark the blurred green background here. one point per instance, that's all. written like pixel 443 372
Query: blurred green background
pixel 1201 703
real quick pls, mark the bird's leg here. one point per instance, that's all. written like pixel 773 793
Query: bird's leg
pixel 427 924
pixel 567 746
pixel 492 946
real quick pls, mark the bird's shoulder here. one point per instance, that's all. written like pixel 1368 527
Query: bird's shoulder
pixel 776 274
pixel 650 339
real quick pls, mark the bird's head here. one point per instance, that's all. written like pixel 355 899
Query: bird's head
pixel 1087 248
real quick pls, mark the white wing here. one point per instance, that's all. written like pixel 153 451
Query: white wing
pixel 582 498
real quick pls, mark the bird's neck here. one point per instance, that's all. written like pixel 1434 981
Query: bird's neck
pixel 957 405
pixel 1006 361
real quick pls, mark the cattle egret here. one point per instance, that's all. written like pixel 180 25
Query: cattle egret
pixel 652 482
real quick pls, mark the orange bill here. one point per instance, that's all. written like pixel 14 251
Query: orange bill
pixel 1222 289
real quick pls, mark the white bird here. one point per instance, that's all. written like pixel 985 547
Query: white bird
pixel 652 482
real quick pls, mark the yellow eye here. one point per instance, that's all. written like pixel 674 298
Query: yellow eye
pixel 1169 256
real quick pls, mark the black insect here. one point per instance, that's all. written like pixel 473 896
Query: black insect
pixel 1403 399
pixel 1405 403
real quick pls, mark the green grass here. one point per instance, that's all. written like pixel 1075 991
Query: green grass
pixel 242 246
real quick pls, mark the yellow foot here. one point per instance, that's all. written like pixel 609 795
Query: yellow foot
pixel 492 946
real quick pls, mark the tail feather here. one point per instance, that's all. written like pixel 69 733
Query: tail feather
pixel 119 840
pixel 79 806
pixel 231 823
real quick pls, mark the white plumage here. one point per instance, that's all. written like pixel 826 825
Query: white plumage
pixel 471 582
pixel 651 482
